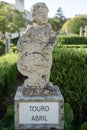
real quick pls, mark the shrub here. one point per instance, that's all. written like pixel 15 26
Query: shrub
pixel 84 126
pixel 71 46
pixel 69 72
pixel 13 48
pixel 54 23
pixel 7 122
pixel 15 40
pixel 73 40
pixel 1 48
pixel 68 117
pixel 8 73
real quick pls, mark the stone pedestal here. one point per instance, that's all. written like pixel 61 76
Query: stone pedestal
pixel 39 111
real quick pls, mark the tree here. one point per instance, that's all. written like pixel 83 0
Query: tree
pixel 10 20
pixel 4 21
pixel 73 25
pixel 54 23
pixel 59 13
pixel 17 21
pixel 66 27
pixel 61 18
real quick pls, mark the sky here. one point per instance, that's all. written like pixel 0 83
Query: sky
pixel 70 8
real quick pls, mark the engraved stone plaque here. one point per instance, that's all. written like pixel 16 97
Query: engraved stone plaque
pixel 39 113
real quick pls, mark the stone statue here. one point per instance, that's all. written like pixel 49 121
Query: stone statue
pixel 35 48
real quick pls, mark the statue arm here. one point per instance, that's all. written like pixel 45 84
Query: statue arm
pixel 49 46
pixel 23 40
pixel 52 37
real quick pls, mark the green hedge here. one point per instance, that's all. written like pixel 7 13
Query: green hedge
pixel 69 72
pixel 1 47
pixel 13 47
pixel 7 122
pixel 8 74
pixel 74 39
pixel 71 46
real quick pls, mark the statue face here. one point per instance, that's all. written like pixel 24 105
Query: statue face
pixel 40 17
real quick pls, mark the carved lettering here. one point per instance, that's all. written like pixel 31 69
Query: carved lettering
pixel 38 108
pixel 38 118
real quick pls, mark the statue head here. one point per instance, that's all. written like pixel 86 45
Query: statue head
pixel 39 13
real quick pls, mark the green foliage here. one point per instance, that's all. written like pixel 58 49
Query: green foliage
pixel 73 25
pixel 66 26
pixel 71 40
pixel 13 45
pixel 15 40
pixel 18 21
pixel 68 114
pixel 59 13
pixel 68 117
pixel 84 126
pixel 71 46
pixel 69 123
pixel 1 47
pixel 7 122
pixel 69 72
pixel 60 18
pixel 10 20
pixel 13 48
pixel 4 17
pixel 8 74
pixel 54 23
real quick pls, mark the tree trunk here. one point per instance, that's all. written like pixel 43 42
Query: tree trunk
pixel 7 44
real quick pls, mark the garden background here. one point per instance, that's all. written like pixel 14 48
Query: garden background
pixel 69 70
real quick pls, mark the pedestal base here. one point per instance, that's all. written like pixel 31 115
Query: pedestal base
pixel 39 112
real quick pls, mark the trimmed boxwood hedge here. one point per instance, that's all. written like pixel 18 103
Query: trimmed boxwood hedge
pixel 70 40
pixel 8 74
pixel 71 46
pixel 69 72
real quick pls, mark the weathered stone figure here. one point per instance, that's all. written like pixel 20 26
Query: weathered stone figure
pixel 35 48
pixel 38 103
